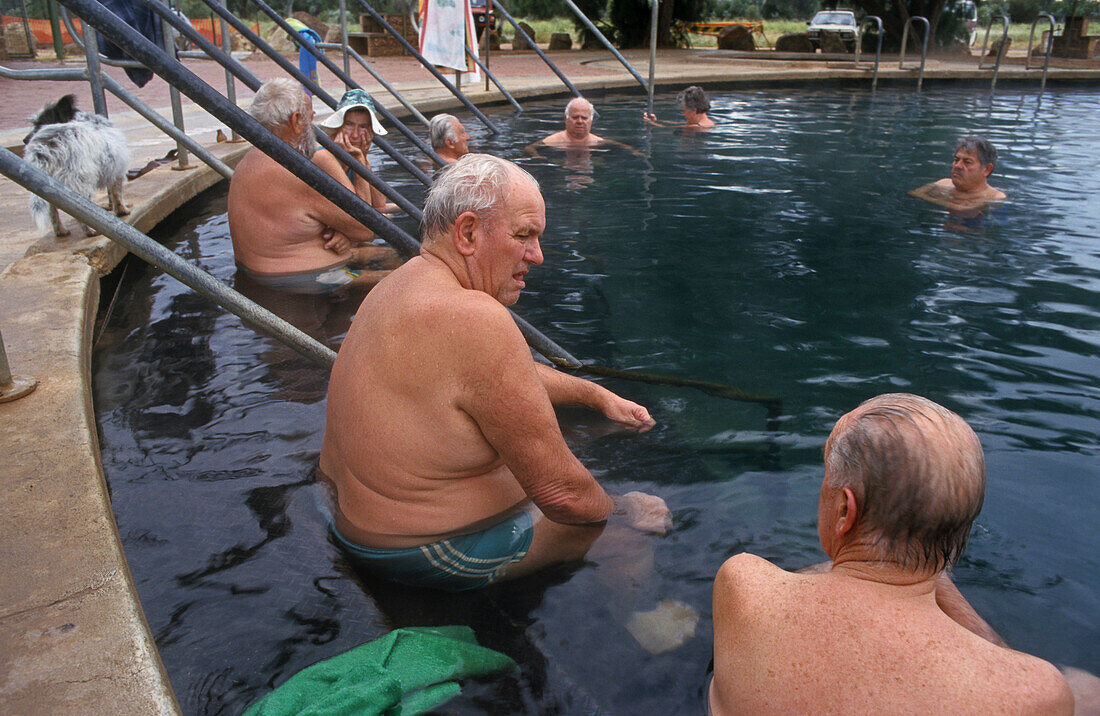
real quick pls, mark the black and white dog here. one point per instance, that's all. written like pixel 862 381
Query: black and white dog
pixel 82 151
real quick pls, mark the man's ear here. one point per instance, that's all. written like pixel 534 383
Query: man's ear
pixel 849 513
pixel 463 234
pixel 988 170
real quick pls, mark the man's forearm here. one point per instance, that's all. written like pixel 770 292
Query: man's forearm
pixel 565 389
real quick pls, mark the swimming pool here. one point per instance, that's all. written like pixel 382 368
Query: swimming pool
pixel 778 253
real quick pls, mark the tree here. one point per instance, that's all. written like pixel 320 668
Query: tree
pixel 895 13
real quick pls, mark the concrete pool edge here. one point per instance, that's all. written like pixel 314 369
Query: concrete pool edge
pixel 71 626
pixel 72 629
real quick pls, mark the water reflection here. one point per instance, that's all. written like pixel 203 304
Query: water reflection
pixel 779 254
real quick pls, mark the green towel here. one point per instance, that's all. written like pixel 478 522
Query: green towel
pixel 405 672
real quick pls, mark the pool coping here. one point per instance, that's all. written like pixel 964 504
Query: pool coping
pixel 73 636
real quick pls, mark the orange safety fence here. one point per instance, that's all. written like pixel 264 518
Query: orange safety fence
pixel 209 29
pixel 714 28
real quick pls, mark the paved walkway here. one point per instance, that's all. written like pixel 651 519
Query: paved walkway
pixel 73 638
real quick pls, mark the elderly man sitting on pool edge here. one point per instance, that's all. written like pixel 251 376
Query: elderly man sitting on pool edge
pixel 881 628
pixel 449 468
pixel 285 234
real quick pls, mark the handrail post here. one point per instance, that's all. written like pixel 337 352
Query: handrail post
pixel 230 85
pixel 531 44
pixel 924 46
pixel 55 30
pixel 599 35
pixel 1050 46
pixel 174 97
pixel 1000 50
pixel 878 46
pixel 12 387
pixel 344 39
pixel 91 54
pixel 654 17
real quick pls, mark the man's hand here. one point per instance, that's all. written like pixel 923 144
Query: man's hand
pixel 645 513
pixel 335 241
pixel 649 118
pixel 628 414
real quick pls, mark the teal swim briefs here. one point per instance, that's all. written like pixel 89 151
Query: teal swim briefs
pixel 453 565
pixel 324 280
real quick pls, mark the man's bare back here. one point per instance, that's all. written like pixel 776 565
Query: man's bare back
pixel 406 471
pixel 277 221
pixel 833 642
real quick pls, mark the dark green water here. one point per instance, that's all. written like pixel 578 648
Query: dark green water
pixel 778 253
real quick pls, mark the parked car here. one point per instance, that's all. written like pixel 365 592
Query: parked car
pixel 482 9
pixel 842 22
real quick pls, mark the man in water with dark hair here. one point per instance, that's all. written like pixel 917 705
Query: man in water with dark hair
pixel 882 628
pixel 967 188
pixel 694 103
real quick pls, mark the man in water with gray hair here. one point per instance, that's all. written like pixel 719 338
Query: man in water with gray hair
pixel 448 137
pixel 967 188
pixel 285 234
pixel 449 468
pixel 881 628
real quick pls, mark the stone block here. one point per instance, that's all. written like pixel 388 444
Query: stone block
pixel 736 37
pixel 794 42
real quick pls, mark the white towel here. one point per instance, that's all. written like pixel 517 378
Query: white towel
pixel 446 27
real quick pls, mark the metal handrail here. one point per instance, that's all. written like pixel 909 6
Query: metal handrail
pixel 79 40
pixel 348 81
pixel 428 66
pixel 599 35
pixel 81 75
pixel 489 75
pixel 140 48
pixel 253 82
pixel 1000 51
pixel 654 14
pixel 924 47
pixel 1050 47
pixel 246 76
pixel 89 213
pixel 878 46
pixel 531 44
pixel 352 54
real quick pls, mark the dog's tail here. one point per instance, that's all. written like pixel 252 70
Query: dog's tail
pixel 40 212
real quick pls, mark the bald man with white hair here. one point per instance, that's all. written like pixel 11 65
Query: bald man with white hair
pixel 880 628
pixel 449 467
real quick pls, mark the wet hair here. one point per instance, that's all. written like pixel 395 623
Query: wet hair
pixel 442 128
pixel 918 475
pixel 276 101
pixel 477 183
pixel 980 146
pixel 578 100
pixel 695 99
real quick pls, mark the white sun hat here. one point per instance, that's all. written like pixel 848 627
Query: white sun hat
pixel 353 99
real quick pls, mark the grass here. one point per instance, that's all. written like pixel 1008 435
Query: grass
pixel 1018 32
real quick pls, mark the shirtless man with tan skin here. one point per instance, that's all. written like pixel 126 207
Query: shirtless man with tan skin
pixel 448 137
pixel 880 629
pixel 579 115
pixel 694 104
pixel 967 189
pixel 449 468
pixel 285 234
